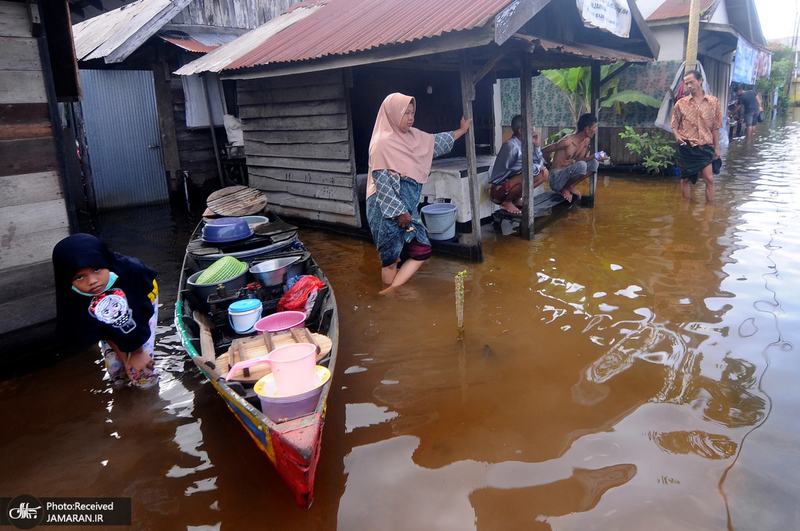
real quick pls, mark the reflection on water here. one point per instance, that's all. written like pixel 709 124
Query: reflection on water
pixel 632 367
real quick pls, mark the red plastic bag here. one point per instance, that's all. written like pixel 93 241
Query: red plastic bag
pixel 301 296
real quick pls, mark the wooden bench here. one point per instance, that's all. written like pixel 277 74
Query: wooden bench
pixel 542 205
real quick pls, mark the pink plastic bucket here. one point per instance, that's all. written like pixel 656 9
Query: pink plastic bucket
pixel 277 322
pixel 293 367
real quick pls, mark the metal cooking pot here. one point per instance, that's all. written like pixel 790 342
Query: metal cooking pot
pixel 202 291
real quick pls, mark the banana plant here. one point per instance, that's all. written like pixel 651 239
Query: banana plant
pixel 576 83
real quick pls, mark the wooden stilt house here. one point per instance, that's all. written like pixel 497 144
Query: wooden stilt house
pixel 309 89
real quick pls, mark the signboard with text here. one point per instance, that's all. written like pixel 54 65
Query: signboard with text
pixel 610 15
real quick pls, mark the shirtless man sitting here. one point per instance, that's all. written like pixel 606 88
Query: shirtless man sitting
pixel 572 162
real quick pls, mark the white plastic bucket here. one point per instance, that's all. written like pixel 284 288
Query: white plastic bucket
pixel 440 220
pixel 243 315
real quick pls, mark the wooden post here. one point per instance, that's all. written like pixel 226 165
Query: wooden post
pixel 166 121
pixel 212 127
pixel 526 104
pixel 467 97
pixel 86 160
pixel 691 39
pixel 38 30
pixel 595 111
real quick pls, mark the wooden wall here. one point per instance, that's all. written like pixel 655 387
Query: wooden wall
pixel 33 216
pixel 195 146
pixel 299 145
pixel 245 14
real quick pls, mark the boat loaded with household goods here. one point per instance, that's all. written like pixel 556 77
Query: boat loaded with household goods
pixel 258 317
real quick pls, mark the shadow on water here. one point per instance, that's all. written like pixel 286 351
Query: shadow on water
pixel 632 367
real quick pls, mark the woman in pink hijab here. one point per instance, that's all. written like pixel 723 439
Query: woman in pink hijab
pixel 400 159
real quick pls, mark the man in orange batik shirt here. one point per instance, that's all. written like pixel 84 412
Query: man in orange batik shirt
pixel 696 121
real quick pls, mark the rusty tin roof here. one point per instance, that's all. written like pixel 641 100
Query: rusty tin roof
pixel 677 9
pixel 346 26
pixel 339 30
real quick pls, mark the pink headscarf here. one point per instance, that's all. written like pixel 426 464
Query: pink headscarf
pixel 408 154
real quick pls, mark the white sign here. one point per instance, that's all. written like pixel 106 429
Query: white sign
pixel 609 15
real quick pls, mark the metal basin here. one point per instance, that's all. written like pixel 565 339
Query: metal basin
pixel 273 272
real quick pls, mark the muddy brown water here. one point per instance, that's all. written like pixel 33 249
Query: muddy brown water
pixel 633 367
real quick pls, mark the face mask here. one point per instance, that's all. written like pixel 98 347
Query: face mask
pixel 112 277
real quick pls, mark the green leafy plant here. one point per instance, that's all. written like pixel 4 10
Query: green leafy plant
pixel 657 152
pixel 780 78
pixel 577 86
pixel 555 137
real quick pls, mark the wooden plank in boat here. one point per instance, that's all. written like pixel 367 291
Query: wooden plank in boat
pixel 255 347
pixel 206 358
pixel 237 201
pixel 273 227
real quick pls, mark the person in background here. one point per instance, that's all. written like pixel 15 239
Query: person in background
pixel 696 121
pixel 751 104
pixel 505 182
pixel 105 296
pixel 572 162
pixel 400 158
pixel 736 127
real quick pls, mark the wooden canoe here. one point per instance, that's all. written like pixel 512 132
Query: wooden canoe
pixel 292 446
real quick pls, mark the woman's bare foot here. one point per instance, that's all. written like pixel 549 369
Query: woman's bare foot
pixel 574 191
pixel 402 275
pixel 387 291
pixel 510 207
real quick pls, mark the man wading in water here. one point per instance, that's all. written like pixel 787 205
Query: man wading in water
pixel 696 121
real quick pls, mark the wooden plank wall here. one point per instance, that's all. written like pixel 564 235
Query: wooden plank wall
pixel 299 145
pixel 245 14
pixel 33 216
pixel 195 146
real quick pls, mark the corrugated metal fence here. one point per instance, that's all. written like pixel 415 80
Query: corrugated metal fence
pixel 123 136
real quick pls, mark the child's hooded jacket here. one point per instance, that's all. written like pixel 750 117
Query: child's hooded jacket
pixel 119 314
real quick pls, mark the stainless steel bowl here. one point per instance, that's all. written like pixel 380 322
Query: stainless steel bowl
pixel 273 272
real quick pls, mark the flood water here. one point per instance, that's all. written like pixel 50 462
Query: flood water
pixel 633 367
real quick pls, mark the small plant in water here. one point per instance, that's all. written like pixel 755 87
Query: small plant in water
pixel 656 151
pixel 459 280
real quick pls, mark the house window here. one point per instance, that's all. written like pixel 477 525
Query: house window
pixel 195 98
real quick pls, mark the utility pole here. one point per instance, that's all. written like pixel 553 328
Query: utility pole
pixel 793 74
pixel 691 40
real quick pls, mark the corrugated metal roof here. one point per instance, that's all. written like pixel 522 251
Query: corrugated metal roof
pixel 220 58
pixel 594 52
pixel 345 26
pixel 196 40
pixel 190 44
pixel 113 36
pixel 677 9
